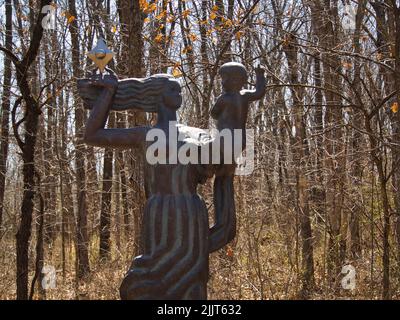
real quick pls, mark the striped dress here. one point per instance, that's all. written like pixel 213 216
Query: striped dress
pixel 174 263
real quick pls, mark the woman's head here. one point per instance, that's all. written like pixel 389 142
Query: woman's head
pixel 172 97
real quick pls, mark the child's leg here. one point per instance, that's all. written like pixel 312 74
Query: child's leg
pixel 224 229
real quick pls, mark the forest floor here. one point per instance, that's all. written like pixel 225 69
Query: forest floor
pixel 235 273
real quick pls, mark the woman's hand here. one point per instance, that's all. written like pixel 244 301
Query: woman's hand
pixel 260 70
pixel 108 81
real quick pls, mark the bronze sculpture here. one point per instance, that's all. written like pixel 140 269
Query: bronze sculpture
pixel 230 112
pixel 176 235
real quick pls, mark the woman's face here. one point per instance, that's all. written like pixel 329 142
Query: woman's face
pixel 172 97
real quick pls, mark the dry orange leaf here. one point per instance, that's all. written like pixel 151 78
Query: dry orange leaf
pixel 229 251
pixel 238 35
pixel 187 49
pixel 143 4
pixel 228 23
pixel 347 65
pixel 213 15
pixel 395 107
pixel 69 16
pixel 193 37
pixel 150 8
pixel 161 15
pixel 186 13
pixel 158 38
pixel 71 19
pixel 176 72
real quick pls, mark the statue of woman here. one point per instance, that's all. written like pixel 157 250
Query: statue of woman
pixel 176 235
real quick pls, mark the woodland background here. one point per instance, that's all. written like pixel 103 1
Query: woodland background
pixel 325 189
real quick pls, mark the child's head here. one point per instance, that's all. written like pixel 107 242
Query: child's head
pixel 234 76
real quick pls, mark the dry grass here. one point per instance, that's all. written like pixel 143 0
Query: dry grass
pixel 233 275
pixel 262 263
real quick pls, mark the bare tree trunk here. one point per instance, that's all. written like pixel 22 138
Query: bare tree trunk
pixel 31 115
pixel 82 254
pixel 386 294
pixel 334 160
pixel 121 175
pixel 105 213
pixel 386 20
pixel 65 182
pixel 205 101
pixel 132 17
pixel 376 158
pixel 107 183
pixel 318 196
pixel 47 154
pixel 118 212
pixel 132 41
pixel 396 129
pixel 5 108
pixel 356 212
pixel 300 150
pixel 187 43
pixel 39 248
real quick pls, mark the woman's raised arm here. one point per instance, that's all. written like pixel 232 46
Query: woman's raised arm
pixel 96 134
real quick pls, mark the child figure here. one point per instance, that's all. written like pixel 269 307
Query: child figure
pixel 230 111
pixel 232 106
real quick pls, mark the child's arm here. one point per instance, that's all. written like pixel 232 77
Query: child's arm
pixel 257 94
pixel 217 108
